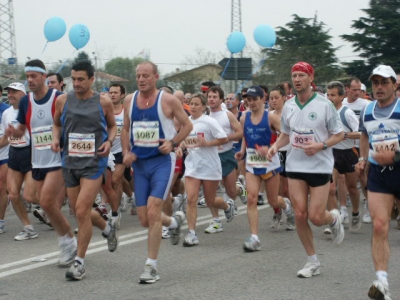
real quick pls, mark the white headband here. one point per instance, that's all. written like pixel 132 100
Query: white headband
pixel 35 69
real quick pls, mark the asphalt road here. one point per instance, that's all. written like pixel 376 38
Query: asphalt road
pixel 215 269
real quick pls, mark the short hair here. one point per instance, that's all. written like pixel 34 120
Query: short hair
pixel 265 88
pixel 121 87
pixel 288 84
pixel 58 75
pixel 167 89
pixel 153 65
pixel 279 88
pixel 35 63
pixel 208 83
pixel 84 66
pixel 216 89
pixel 338 85
pixel 351 79
pixel 198 95
pixel 244 90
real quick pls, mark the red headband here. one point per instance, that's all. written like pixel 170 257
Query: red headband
pixel 303 67
pixel 204 88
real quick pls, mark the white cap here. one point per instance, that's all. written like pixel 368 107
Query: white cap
pixel 363 87
pixel 16 86
pixel 384 71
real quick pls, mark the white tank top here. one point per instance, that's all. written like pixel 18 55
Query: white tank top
pixel 222 118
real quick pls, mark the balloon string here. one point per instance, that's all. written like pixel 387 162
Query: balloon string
pixel 252 73
pixel 44 49
pixel 64 63
pixel 223 72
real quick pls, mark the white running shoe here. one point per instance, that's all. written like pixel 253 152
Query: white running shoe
pixel 123 206
pixel 337 228
pixel 327 230
pixel 68 253
pixel 214 227
pixel 165 234
pixel 201 202
pixel 26 234
pixel 116 220
pixel 290 221
pixel 251 245
pixel 243 192
pixel 367 218
pixel 177 204
pixel 76 271
pixel 176 232
pixel 276 220
pixel 190 240
pixel 379 291
pixel 230 212
pixel 309 270
pixel 150 275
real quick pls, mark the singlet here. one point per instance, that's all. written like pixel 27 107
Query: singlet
pixel 222 118
pixel 147 127
pixel 3 150
pixel 9 117
pixel 261 135
pixel 237 145
pixel 119 120
pixel 356 106
pixel 84 131
pixel 316 120
pixel 39 121
pixel 348 119
pixel 383 130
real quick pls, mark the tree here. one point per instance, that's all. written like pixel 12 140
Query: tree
pixel 82 56
pixel 378 36
pixel 124 67
pixel 303 39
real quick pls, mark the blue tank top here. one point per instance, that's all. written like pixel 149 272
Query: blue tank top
pixel 147 127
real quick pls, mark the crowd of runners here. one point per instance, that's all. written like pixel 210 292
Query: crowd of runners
pixel 307 153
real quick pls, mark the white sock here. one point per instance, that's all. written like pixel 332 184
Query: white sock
pixel 343 209
pixel 152 262
pixel 107 230
pixel 217 220
pixel 81 260
pixel 29 227
pixel 192 232
pixel 287 209
pixel 255 237
pixel 173 224
pixel 382 276
pixel 313 258
pixel 65 240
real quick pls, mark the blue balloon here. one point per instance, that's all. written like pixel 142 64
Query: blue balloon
pixel 79 36
pixel 265 35
pixel 54 29
pixel 236 42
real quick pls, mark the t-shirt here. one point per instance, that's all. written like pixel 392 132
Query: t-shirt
pixel 203 162
pixel 356 106
pixel 353 122
pixel 316 120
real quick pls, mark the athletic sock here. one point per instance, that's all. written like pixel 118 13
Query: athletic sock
pixel 173 224
pixel 255 237
pixel 355 214
pixel 313 258
pixel 29 227
pixel 277 210
pixel 152 262
pixel 80 260
pixel 217 220
pixel 107 230
pixel 382 276
pixel 114 214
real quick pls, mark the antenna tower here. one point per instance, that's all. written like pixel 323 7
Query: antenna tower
pixel 8 52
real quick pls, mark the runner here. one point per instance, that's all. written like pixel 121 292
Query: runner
pixel 311 124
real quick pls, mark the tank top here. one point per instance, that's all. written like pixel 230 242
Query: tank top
pixel 261 135
pixel 147 127
pixel 119 120
pixel 84 131
pixel 222 118
pixel 40 124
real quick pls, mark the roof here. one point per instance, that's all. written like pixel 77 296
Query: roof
pixel 196 71
pixel 109 77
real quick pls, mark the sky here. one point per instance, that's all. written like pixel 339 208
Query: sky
pixel 171 29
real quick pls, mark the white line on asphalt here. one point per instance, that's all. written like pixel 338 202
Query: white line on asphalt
pixel 200 221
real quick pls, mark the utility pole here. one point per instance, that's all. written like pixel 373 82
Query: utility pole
pixel 236 25
pixel 8 52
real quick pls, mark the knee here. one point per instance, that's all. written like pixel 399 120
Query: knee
pixel 81 213
pixel 317 219
pixel 380 227
pixel 144 222
pixel 353 190
pixel 300 216
pixel 252 199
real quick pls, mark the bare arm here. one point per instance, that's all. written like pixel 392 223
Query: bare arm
pixel 60 102
pixel 237 128
pixel 128 156
pixel 108 110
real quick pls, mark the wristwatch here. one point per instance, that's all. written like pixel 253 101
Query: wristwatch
pixel 111 143
pixel 325 146
pixel 174 144
pixel 362 159
pixel 396 157
pixel 345 135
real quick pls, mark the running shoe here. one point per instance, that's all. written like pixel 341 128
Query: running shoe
pixel 367 218
pixel 28 206
pixel 243 192
pixel 112 240
pixel 214 227
pixel 355 223
pixel 102 210
pixel 337 228
pixel 202 202
pixel 221 188
pixel 327 230
pixel 2 228
pixel 123 206
pixel 290 221
pixel 116 220
pixel 41 215
pixel 398 222
pixel 251 245
pixel 176 232
pixel 9 204
pixel 345 219
pixel 309 270
pixel 260 200
pixel 242 180
pixel 133 209
pixel 165 234
pixel 177 204
pixel 76 271
pixel 26 234
pixel 150 275
pixel 67 254
pixel 230 212
pixel 98 199
pixel 379 291
pixel 190 240
pixel 276 219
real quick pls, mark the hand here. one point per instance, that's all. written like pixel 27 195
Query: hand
pixel 262 150
pixel 179 153
pixel 166 146
pixel 239 155
pixel 129 158
pixel 201 142
pixel 104 149
pixel 360 167
pixel 55 146
pixel 311 148
pixel 9 130
pixel 271 152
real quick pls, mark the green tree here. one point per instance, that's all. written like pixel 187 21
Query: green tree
pixel 124 67
pixel 378 36
pixel 303 39
pixel 82 56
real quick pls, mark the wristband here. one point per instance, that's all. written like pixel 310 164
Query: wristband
pixel 362 159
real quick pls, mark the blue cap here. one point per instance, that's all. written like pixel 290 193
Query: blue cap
pixel 255 91
pixel 105 89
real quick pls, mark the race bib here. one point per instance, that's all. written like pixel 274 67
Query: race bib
pixel 301 137
pixel 192 140
pixel 120 125
pixel 81 145
pixel 255 160
pixel 385 142
pixel 18 142
pixel 146 134
pixel 42 137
